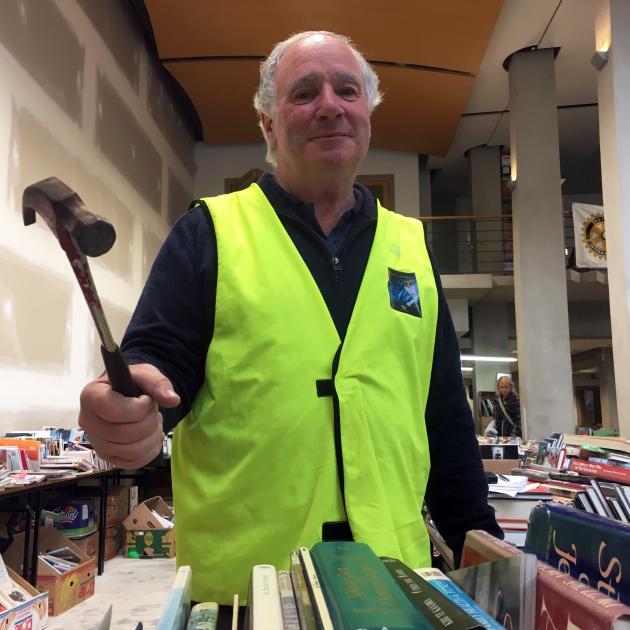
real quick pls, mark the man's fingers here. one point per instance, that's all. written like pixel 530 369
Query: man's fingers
pixel 152 382
pixel 134 455
pixel 99 398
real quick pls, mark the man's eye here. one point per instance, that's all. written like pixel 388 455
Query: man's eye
pixel 348 91
pixel 303 95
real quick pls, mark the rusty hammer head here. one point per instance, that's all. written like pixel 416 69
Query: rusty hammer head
pixel 65 213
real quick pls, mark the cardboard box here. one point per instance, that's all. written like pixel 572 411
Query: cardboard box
pixel 145 536
pixel 133 498
pixel 113 538
pixel 87 544
pixel 32 614
pixel 65 590
pixel 499 466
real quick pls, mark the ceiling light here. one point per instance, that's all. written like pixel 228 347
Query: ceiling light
pixel 474 357
pixel 467 369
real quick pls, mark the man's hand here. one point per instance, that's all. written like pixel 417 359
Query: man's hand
pixel 127 432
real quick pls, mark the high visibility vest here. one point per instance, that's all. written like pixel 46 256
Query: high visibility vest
pixel 255 468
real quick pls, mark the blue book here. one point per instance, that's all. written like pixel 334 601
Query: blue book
pixel 447 587
pixel 177 607
pixel 592 549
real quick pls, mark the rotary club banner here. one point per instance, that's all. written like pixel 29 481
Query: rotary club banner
pixel 590 235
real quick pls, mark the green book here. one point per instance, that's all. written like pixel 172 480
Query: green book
pixel 359 590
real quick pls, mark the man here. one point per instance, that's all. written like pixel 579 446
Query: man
pixel 311 403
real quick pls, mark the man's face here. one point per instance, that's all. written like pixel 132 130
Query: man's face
pixel 322 119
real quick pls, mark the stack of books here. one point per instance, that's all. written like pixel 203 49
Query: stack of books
pixel 60 560
pixel 345 586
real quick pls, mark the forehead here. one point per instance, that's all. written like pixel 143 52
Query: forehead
pixel 318 56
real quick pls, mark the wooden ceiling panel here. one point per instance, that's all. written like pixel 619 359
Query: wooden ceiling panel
pixel 223 93
pixel 420 111
pixel 451 35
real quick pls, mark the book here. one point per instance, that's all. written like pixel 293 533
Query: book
pixel 320 609
pixel 360 592
pixel 562 603
pixel 442 583
pixel 287 601
pixel 177 607
pixel 607 472
pixel 300 589
pixel 203 616
pixel 606 442
pixel 505 588
pixel 433 605
pixel 265 611
pixel 592 549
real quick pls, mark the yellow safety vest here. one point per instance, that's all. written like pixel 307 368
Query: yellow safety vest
pixel 254 465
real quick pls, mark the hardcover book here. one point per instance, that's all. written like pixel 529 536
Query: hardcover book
pixel 177 607
pixel 562 603
pixel 592 549
pixel 434 606
pixel 360 592
pixel 302 598
pixel 264 608
pixel 505 588
pixel 439 581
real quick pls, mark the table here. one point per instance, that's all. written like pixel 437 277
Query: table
pixel 32 495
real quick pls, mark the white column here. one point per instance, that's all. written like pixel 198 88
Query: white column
pixel 485 195
pixel 540 288
pixel 612 34
pixel 607 390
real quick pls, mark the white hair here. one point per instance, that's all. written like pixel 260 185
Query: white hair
pixel 265 97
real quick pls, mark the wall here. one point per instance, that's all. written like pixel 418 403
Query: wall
pixel 216 163
pixel 81 100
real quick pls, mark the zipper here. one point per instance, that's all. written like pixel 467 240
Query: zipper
pixel 337 269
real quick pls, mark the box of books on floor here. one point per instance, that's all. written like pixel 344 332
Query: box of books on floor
pixel 22 606
pixel 66 572
pixel 149 530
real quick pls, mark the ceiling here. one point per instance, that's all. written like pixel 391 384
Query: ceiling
pixel 440 65
pixel 427 57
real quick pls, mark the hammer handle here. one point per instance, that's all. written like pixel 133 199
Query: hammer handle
pixel 118 373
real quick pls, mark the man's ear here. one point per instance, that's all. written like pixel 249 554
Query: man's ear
pixel 266 124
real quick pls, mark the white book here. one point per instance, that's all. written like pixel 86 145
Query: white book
pixel 322 616
pixel 265 608
pixel 287 600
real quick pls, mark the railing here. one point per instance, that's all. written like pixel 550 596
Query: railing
pixel 481 243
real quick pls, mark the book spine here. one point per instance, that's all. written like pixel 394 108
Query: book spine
pixel 601 471
pixel 302 598
pixel 438 580
pixel 287 601
pixel 590 548
pixel 433 605
pixel 322 616
pixel 266 611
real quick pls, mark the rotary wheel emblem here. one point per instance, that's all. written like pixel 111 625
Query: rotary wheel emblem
pixel 594 235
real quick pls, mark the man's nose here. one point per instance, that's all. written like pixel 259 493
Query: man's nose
pixel 330 103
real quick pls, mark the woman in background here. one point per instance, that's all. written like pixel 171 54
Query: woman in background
pixel 507 409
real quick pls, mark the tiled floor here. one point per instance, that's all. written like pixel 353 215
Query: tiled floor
pixel 136 588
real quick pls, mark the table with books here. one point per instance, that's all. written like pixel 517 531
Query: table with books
pixel 30 497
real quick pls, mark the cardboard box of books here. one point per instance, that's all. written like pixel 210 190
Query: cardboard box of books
pixel 22 606
pixel 149 530
pixel 87 544
pixel 64 570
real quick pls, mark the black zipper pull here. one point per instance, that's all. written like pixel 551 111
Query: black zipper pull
pixel 337 268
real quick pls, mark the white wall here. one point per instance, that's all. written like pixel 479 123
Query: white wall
pixel 216 163
pixel 80 100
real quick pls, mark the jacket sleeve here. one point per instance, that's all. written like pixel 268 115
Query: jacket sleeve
pixel 457 491
pixel 173 322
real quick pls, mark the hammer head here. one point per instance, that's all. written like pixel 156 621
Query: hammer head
pixel 63 210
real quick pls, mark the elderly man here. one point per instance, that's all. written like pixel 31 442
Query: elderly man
pixel 307 398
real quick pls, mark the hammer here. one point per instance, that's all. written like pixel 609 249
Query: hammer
pixel 80 234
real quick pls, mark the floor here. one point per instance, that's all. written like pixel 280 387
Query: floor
pixel 136 588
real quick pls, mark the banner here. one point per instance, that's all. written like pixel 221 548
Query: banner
pixel 590 235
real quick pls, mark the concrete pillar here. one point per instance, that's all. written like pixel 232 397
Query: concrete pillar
pixel 607 390
pixel 612 34
pixel 490 337
pixel 424 180
pixel 485 195
pixel 540 286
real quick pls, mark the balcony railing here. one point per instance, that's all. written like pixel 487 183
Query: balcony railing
pixel 481 243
